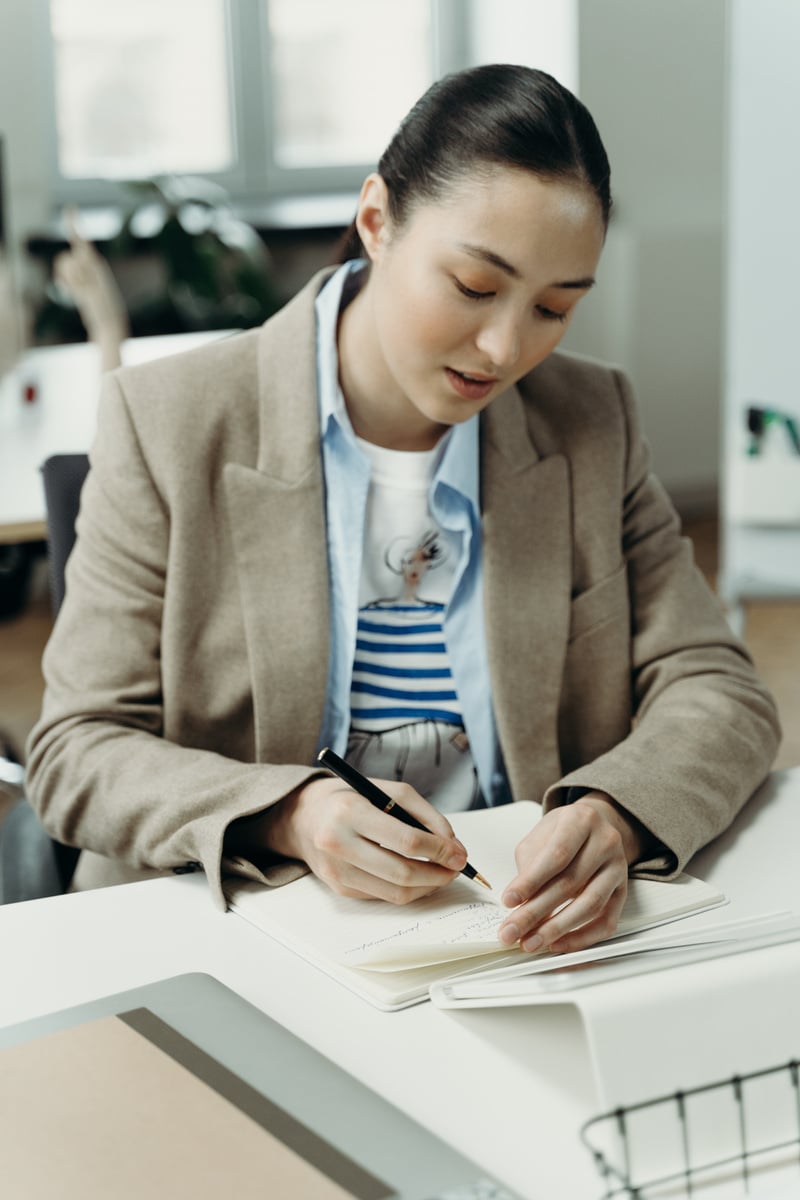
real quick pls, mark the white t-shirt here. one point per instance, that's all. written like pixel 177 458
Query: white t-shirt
pixel 406 721
pixel 401 671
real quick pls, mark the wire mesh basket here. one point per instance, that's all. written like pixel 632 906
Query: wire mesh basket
pixel 737 1137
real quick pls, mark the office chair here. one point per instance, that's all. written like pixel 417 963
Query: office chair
pixel 32 864
pixel 63 476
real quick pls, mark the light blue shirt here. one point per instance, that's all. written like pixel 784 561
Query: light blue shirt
pixel 454 502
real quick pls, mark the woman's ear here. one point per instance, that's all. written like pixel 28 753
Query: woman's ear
pixel 372 216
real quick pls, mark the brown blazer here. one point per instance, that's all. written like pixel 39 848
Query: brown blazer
pixel 186 672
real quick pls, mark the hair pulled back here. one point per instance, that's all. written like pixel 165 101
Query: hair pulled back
pixel 497 115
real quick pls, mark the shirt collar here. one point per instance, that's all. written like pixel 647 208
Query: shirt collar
pixel 459 465
pixel 332 407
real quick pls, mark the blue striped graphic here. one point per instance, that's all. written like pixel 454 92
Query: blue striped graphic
pixel 419 714
pixel 398 630
pixel 401 648
pixel 402 672
pixel 383 693
pixel 373 689
pixel 394 607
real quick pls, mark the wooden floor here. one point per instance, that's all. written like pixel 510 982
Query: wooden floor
pixel 772 634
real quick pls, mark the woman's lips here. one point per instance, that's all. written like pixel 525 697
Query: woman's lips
pixel 471 387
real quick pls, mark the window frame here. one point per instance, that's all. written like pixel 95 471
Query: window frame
pixel 255 178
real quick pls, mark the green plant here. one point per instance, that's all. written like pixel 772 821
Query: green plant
pixel 205 267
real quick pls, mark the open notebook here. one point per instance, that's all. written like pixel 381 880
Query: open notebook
pixel 390 956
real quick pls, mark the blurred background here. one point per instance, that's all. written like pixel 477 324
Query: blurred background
pixel 211 152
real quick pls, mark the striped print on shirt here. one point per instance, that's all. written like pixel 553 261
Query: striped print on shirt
pixel 401 671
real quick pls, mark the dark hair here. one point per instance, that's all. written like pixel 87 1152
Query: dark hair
pixel 492 115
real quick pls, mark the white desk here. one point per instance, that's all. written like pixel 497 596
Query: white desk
pixel 510 1088
pixel 60 419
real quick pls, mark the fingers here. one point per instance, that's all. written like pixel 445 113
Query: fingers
pixel 81 267
pixel 603 926
pixel 571 883
pixel 68 271
pixel 396 850
pixel 78 270
pixel 71 224
pixel 382 877
pixel 87 281
pixel 72 219
pixel 71 267
pixel 409 799
pixel 590 917
pixel 358 850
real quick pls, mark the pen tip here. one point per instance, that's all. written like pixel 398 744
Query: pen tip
pixel 485 882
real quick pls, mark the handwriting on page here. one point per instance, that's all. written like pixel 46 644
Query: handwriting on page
pixel 470 928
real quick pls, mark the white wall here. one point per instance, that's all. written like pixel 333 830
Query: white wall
pixel 652 74
pixel 533 33
pixel 764 203
pixel 23 99
pixel 22 113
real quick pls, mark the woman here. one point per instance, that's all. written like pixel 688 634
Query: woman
pixel 250 503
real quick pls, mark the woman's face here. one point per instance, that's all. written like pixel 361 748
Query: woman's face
pixel 466 297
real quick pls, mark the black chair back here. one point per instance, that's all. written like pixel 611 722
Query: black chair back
pixel 63 476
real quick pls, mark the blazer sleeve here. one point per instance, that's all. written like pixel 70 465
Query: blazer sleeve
pixel 99 772
pixel 705 730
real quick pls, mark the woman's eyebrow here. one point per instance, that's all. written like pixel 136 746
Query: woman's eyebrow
pixel 495 260
pixel 490 257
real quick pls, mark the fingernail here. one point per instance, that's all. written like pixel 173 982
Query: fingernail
pixel 508 934
pixel 511 899
pixel 457 861
pixel 532 943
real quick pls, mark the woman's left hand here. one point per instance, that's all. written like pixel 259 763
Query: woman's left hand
pixel 576 856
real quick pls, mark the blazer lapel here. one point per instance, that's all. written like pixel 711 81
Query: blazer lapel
pixel 527 585
pixel 277 518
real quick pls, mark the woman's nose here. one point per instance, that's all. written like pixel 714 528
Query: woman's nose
pixel 499 340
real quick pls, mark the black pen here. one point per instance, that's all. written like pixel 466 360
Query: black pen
pixel 370 791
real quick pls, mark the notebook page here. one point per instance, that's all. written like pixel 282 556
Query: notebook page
pixel 652 902
pixel 382 951
pixel 458 922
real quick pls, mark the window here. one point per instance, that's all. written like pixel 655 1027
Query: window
pixel 131 96
pixel 268 97
pixel 342 79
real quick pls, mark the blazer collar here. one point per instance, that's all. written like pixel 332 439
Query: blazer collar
pixel 527 585
pixel 287 388
pixel 505 432
pixel 277 518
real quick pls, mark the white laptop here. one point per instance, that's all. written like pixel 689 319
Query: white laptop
pixel 183 1088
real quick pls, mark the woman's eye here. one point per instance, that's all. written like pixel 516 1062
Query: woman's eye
pixel 550 314
pixel 471 293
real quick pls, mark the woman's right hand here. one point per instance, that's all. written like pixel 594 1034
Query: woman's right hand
pixel 356 849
